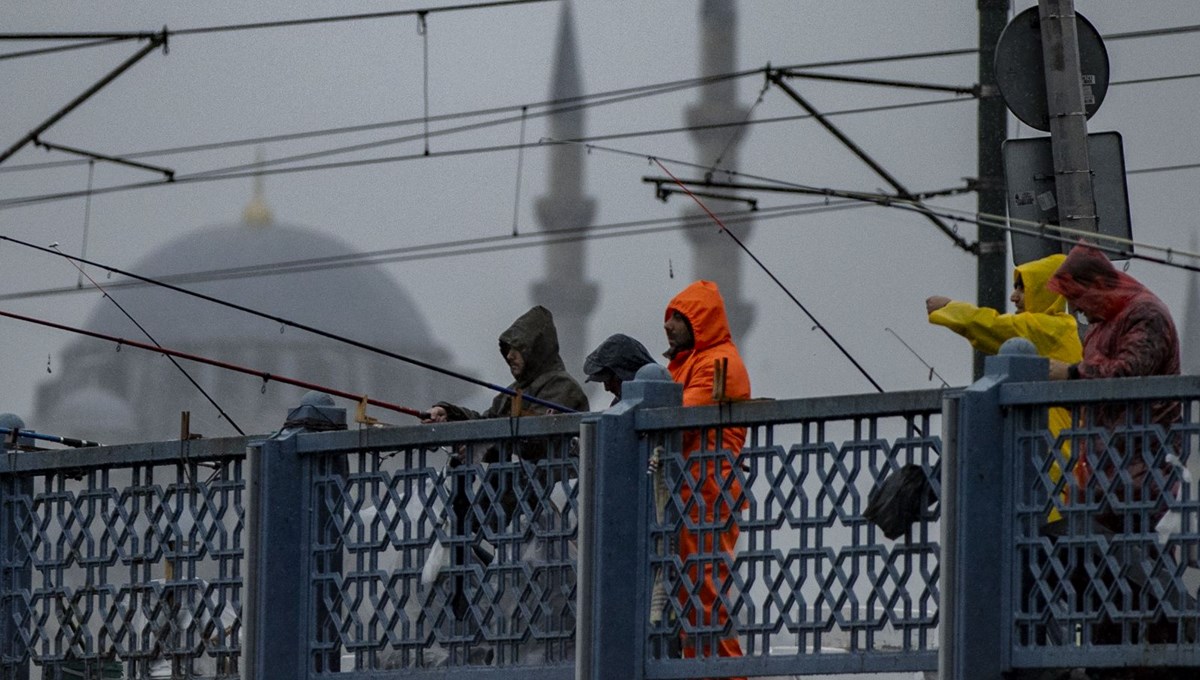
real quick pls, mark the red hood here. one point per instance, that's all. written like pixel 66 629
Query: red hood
pixel 1089 281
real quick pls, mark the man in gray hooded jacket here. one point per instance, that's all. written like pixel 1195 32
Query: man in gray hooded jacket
pixel 615 361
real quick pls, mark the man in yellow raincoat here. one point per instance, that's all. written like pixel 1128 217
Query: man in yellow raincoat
pixel 1041 318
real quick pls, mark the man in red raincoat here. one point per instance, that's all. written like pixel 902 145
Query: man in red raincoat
pixel 705 361
pixel 1130 333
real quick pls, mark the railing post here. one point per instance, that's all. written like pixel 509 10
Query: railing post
pixel 279 614
pixel 15 574
pixel 613 590
pixel 277 574
pixel 977 528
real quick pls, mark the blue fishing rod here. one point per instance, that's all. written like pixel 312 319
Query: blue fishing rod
pixel 17 433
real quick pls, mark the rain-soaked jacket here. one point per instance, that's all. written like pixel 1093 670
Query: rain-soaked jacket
pixel 1130 333
pixel 701 304
pixel 544 376
pixel 619 354
pixel 1045 323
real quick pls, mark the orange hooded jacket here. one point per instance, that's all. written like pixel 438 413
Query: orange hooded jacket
pixel 701 304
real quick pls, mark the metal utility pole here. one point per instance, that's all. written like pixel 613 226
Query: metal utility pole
pixel 1068 116
pixel 992 126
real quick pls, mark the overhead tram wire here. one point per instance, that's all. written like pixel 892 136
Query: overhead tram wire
pixel 295 324
pixel 645 90
pixel 259 25
pixel 264 375
pixel 475 246
pixel 189 179
pixel 36 52
pixel 970 217
pixel 585 99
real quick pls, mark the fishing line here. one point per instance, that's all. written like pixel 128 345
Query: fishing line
pixel 265 376
pixel 817 324
pixel 145 332
pixel 87 219
pixel 932 371
pixel 304 327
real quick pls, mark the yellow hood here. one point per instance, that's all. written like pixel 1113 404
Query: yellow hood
pixel 1034 275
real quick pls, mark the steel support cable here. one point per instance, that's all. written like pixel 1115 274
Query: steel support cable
pixel 264 375
pixel 425 135
pixel 282 23
pixel 769 273
pixel 22 201
pixel 155 42
pixel 647 91
pixel 867 159
pixel 59 48
pixel 294 324
pixel 483 245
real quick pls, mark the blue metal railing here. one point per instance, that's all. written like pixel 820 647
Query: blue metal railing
pixel 1058 564
pixel 541 548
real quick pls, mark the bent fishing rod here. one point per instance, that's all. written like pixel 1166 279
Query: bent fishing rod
pixel 304 327
pixel 83 274
pixel 264 375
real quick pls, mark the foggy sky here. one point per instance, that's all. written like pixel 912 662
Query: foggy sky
pixel 859 271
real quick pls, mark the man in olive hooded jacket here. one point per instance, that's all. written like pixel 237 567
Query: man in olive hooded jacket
pixel 530 347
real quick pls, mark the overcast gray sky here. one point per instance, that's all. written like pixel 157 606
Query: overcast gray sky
pixel 859 271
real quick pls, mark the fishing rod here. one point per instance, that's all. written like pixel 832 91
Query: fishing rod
pixel 17 433
pixel 304 327
pixel 265 376
pixel 817 324
pixel 204 392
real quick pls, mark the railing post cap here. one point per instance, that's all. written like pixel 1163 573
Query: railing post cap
pixel 652 385
pixel 1018 346
pixel 653 372
pixel 316 413
pixel 1017 361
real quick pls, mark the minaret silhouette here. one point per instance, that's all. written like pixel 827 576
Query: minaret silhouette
pixel 714 255
pixel 564 290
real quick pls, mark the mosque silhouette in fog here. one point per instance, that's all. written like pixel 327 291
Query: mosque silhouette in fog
pixel 134 395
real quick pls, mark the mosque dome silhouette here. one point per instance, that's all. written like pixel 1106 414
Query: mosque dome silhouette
pixel 287 271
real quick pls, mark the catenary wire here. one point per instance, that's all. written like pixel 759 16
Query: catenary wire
pixel 488 244
pixel 188 179
pixel 59 48
pixel 259 25
pixel 648 90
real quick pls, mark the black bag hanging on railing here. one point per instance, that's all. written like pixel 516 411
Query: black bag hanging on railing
pixel 895 504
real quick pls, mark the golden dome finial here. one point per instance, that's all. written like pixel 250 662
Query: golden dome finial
pixel 256 213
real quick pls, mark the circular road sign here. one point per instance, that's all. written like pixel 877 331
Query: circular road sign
pixel 1022 78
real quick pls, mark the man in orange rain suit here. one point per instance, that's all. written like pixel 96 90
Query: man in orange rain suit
pixel 700 351
pixel 1041 318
